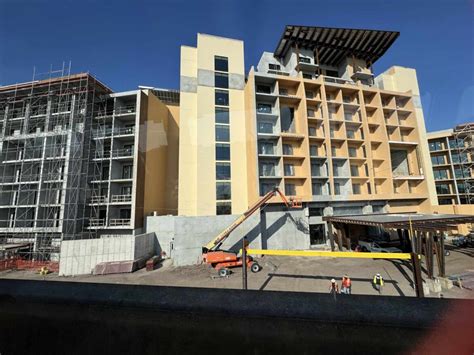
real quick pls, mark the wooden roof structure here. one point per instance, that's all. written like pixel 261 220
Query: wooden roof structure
pixel 334 44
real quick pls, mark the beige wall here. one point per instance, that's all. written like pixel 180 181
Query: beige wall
pixel 405 80
pixel 197 163
pixel 188 137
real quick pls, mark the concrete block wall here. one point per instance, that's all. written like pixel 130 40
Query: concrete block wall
pixel 182 238
pixel 79 257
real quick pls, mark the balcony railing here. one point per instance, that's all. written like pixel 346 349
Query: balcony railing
pixel 121 198
pixel 99 199
pixel 125 110
pixel 97 222
pixel 119 222
pixel 120 153
pixel 20 178
pixel 107 132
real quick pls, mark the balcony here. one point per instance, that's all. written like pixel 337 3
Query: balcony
pixel 121 198
pixel 97 222
pixel 120 222
pixel 122 153
pixel 99 199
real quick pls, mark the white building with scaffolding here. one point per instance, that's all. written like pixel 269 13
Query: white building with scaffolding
pixel 71 153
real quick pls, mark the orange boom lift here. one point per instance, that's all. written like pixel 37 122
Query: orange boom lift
pixel 223 260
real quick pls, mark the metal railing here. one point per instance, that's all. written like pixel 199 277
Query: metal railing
pixel 124 130
pixel 108 131
pixel 20 178
pixel 119 222
pixel 124 110
pixel 99 199
pixel 120 153
pixel 97 222
pixel 121 198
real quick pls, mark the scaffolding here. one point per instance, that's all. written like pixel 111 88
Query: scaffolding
pixel 45 159
pixel 464 140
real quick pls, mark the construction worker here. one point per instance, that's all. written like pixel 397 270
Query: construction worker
pixel 334 287
pixel 346 285
pixel 378 282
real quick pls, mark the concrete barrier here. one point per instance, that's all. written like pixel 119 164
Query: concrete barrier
pixel 67 317
pixel 81 256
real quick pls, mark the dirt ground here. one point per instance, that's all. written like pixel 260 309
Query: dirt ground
pixel 301 274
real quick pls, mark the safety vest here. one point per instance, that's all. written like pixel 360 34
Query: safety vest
pixel 346 282
pixel 378 280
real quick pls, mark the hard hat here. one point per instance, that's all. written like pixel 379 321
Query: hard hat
pixel 345 275
pixel 377 274
pixel 332 280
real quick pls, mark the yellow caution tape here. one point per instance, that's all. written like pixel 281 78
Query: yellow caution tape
pixel 330 254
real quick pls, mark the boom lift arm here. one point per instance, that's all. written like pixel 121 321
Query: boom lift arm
pixel 223 260
pixel 217 241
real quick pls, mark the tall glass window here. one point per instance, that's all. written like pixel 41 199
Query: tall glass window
pixel 221 63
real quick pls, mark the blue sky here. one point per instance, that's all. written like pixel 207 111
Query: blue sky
pixel 131 43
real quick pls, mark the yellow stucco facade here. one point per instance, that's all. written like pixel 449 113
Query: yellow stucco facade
pixel 197 156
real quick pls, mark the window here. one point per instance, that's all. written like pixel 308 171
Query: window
pixel 274 66
pixel 310 94
pixel 354 170
pixel 222 152
pixel 290 189
pixel 442 189
pixel 222 133
pixel 223 208
pixel 459 158
pixel 222 98
pixel 222 191
pixel 440 174
pixel 283 91
pixel 337 169
pixel 331 132
pixel 445 201
pixel 435 146
pixel 346 99
pixel 312 131
pixel 265 148
pixel 313 150
pixel 453 143
pixel 356 189
pixel 332 73
pixel 334 150
pixel 348 116
pixel 266 187
pixel 287 149
pixel 127 171
pixel 317 189
pixel 265 127
pixel 264 108
pixel 369 190
pixel 126 190
pixel 267 169
pixel 221 80
pixel 438 159
pixel 307 76
pixel 221 63
pixel 289 170
pixel 316 170
pixel 264 89
pixel 352 152
pixel 350 134
pixel 125 214
pixel 305 60
pixel 337 188
pixel 222 115
pixel 222 171
pixel 310 112
pixel 105 173
pixel 287 115
pixel 461 188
